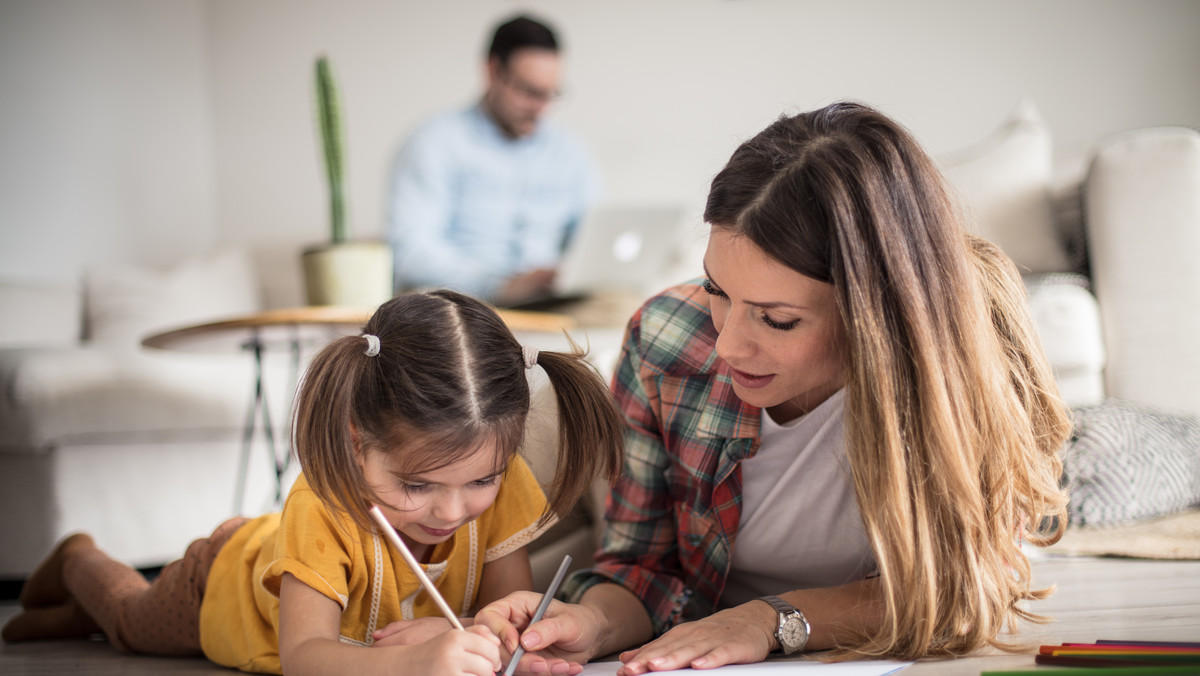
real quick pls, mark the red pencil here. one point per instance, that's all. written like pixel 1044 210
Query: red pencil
pixel 1115 661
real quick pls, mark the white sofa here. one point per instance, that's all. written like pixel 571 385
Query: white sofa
pixel 96 433
pixel 1109 253
pixel 142 447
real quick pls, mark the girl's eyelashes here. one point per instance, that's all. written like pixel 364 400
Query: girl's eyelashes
pixel 712 289
pixel 417 488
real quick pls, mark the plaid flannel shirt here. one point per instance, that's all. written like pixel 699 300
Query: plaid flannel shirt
pixel 673 515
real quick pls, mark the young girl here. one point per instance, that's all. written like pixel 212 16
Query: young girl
pixel 421 415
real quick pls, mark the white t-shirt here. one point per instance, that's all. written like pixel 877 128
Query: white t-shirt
pixel 800 527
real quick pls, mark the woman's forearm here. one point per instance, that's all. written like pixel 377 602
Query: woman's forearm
pixel 626 622
pixel 838 614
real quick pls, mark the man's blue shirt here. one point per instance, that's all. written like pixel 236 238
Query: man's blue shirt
pixel 470 207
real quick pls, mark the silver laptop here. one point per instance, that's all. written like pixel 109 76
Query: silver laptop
pixel 613 249
pixel 618 248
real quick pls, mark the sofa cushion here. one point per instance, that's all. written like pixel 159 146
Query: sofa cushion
pixel 40 313
pixel 92 395
pixel 1004 182
pixel 126 303
pixel 1067 318
pixel 1128 461
pixel 1142 203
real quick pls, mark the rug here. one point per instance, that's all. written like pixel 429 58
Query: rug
pixel 1170 537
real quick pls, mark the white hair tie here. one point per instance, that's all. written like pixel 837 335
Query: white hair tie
pixel 372 344
pixel 530 354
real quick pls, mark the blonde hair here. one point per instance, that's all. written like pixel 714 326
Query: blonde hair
pixel 953 422
pixel 448 376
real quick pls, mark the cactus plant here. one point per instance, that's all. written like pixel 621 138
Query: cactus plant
pixel 330 120
pixel 341 272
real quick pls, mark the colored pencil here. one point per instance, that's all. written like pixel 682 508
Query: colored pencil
pixel 394 538
pixel 541 610
pixel 1116 660
pixel 1089 649
pixel 1156 644
pixel 1103 671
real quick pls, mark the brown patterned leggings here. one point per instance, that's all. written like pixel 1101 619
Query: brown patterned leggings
pixel 159 618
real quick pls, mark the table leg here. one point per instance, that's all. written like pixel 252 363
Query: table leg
pixel 258 408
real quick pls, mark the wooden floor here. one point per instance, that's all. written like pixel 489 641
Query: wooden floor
pixel 1096 599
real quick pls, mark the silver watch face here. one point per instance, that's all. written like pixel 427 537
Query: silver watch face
pixel 793 634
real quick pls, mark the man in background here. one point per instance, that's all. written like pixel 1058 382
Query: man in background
pixel 484 199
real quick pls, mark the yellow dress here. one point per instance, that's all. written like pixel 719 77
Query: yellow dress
pixel 239 616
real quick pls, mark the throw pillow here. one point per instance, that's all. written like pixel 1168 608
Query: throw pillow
pixel 1067 318
pixel 1004 184
pixel 1128 461
pixel 126 303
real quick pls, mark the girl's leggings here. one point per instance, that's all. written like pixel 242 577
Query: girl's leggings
pixel 159 618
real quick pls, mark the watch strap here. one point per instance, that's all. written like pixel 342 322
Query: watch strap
pixel 780 606
pixel 785 610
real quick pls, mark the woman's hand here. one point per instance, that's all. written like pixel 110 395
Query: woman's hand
pixel 412 632
pixel 738 635
pixel 559 643
pixel 473 652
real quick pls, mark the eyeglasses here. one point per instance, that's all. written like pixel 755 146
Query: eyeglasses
pixel 528 91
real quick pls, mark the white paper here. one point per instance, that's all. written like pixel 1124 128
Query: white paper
pixel 773 668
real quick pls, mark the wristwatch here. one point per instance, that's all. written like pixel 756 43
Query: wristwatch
pixel 793 630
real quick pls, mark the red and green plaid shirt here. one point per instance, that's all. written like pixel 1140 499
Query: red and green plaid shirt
pixel 673 515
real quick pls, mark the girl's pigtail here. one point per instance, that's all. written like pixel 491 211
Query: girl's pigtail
pixel 590 429
pixel 322 418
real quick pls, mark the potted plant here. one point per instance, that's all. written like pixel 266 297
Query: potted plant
pixel 341 272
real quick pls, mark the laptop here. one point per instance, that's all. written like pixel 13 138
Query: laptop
pixel 614 249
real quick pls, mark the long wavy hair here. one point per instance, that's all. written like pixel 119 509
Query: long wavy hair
pixel 953 420
pixel 448 377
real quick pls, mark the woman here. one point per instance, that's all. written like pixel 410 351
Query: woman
pixel 850 416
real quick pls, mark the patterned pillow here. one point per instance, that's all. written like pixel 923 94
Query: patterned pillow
pixel 1128 461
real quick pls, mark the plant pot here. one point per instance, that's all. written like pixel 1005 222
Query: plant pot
pixel 351 274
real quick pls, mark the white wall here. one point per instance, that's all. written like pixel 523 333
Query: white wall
pixel 663 90
pixel 106 148
pixel 110 141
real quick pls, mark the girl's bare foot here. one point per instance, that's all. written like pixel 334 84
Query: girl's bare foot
pixel 67 620
pixel 45 586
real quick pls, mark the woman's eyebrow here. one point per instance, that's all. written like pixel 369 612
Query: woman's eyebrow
pixel 766 305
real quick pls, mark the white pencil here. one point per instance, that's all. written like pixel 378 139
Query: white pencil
pixel 394 538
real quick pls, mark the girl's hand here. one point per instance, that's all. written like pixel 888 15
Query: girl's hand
pixel 412 632
pixel 558 644
pixel 474 652
pixel 738 635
